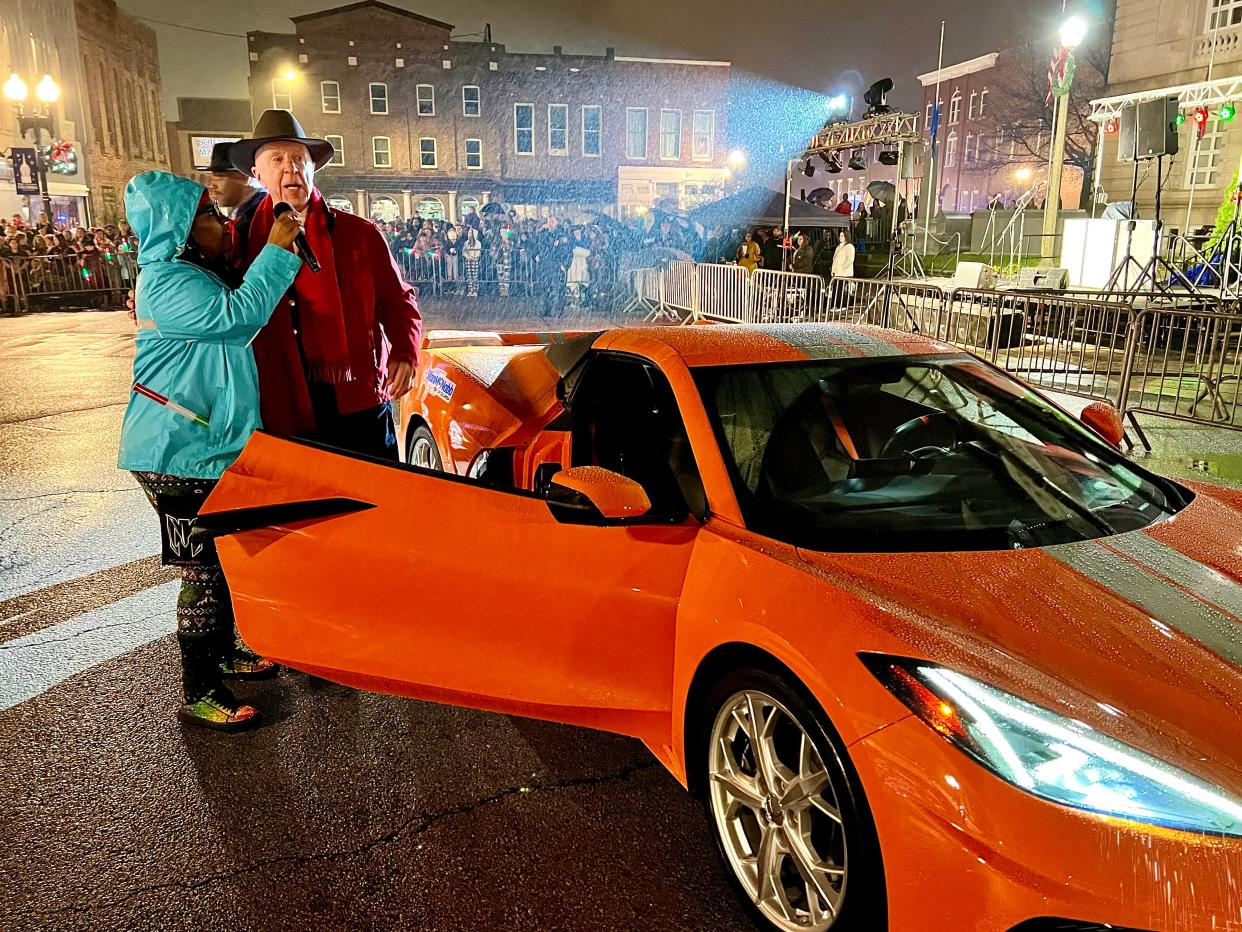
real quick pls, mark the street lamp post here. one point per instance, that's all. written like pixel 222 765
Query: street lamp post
pixel 35 122
pixel 1073 31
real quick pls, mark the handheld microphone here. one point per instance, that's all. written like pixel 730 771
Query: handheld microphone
pixel 303 247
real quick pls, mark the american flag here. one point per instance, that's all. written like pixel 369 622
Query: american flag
pixel 1056 71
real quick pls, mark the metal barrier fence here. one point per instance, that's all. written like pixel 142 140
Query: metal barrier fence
pixel 787 297
pixel 724 292
pixel 910 306
pixel 96 281
pixel 1185 365
pixel 681 288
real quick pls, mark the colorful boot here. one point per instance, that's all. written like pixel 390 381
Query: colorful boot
pixel 218 709
pixel 245 664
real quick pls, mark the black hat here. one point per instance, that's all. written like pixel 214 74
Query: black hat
pixel 220 163
pixel 277 126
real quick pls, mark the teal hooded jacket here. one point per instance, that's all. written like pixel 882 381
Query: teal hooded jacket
pixel 193 343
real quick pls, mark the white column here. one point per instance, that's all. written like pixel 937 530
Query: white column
pixel 362 204
pixel 452 207
pixel 405 205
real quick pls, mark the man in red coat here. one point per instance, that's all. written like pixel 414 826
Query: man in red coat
pixel 343 343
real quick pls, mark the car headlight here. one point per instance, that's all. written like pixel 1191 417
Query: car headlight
pixel 1055 757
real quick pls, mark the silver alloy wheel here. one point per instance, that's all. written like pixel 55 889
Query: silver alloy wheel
pixel 422 453
pixel 777 813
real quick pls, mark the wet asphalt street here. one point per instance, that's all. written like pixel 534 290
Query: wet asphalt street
pixel 344 811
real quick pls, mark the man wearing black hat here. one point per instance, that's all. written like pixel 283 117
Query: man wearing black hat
pixel 235 192
pixel 343 344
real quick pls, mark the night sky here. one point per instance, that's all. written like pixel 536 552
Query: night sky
pixel 779 48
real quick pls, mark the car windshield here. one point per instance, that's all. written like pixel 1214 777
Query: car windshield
pixel 918 453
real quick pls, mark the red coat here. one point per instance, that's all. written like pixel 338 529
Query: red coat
pixel 381 322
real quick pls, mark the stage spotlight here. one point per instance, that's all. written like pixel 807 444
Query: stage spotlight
pixel 888 157
pixel 834 164
pixel 858 161
pixel 827 160
pixel 876 97
pixel 808 169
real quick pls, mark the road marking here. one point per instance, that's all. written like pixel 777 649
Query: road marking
pixel 31 665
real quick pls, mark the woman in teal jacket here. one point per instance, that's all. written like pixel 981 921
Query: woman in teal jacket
pixel 194 405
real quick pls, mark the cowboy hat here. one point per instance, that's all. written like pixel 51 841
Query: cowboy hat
pixel 220 163
pixel 277 126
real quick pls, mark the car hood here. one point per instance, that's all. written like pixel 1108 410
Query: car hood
pixel 1138 635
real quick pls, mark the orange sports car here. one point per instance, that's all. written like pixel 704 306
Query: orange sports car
pixel 935 655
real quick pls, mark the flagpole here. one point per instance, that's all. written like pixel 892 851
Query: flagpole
pixel 927 209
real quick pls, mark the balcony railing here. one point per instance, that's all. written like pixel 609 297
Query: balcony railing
pixel 1228 42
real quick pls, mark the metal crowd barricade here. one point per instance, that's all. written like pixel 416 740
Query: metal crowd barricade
pixel 724 293
pixel 787 297
pixel 1186 365
pixel 97 281
pixel 903 305
pixel 681 284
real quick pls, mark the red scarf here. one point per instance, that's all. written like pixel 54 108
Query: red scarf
pixel 285 401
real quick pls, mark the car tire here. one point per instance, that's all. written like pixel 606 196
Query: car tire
pixel 761 815
pixel 422 450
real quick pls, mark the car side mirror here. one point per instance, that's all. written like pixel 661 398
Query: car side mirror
pixel 1105 420
pixel 594 495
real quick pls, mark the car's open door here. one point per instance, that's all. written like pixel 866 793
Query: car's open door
pixel 427 585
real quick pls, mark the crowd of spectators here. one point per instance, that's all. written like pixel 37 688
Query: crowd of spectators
pixel 19 239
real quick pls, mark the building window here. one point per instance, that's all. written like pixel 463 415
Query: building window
pixel 427 153
pixel 471 104
pixel 468 205
pixel 1223 14
pixel 967 155
pixel 636 132
pixel 591 123
pixel 971 111
pixel 955 107
pixel 703 134
pixel 1203 168
pixel 474 154
pixel 983 102
pixel 927 121
pixel 330 96
pixel 524 129
pixel 338 149
pixel 282 95
pixel 558 129
pixel 379 98
pixel 381 152
pixel 426 100
pixel 340 202
pixel 950 150
pixel 384 209
pixel 430 208
pixel 670 134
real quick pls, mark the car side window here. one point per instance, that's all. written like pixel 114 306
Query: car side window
pixel 625 418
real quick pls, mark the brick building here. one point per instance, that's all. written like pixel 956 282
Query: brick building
pixel 120 70
pixel 427 124
pixel 201 123
pixel 982 152
pixel 1164 44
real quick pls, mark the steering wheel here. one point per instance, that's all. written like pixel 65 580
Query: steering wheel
pixel 940 420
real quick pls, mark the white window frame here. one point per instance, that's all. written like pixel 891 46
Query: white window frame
pixel 695 154
pixel 1204 161
pixel 950 150
pixel 971 107
pixel 983 101
pixel 338 149
pixel 1229 10
pixel 517 129
pixel 375 163
pixel 418 100
pixel 324 96
pixel 286 94
pixel 646 132
pixel 466 154
pixel 966 155
pixel 599 131
pixel 955 108
pixel 670 158
pixel 429 197
pixel 371 97
pixel 478 101
pixel 564 148
pixel 435 153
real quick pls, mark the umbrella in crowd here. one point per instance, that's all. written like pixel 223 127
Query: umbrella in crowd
pixel 821 196
pixel 883 191
pixel 493 207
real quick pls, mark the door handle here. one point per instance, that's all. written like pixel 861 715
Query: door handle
pixel 237 520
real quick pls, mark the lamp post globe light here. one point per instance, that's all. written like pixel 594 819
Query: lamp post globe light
pixel 1072 33
pixel 36 121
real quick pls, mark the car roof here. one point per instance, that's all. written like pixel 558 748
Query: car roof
pixel 740 344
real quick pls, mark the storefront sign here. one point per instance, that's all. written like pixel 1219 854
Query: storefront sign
pixel 25 171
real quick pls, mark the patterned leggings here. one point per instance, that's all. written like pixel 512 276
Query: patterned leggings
pixel 204 609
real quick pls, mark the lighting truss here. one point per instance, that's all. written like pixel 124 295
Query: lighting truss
pixel 1209 94
pixel 887 128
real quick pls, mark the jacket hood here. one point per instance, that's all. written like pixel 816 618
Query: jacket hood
pixel 160 208
pixel 1138 635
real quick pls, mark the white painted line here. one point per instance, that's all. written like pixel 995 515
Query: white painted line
pixel 31 665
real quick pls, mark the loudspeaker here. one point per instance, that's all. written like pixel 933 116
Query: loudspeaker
pixel 1044 278
pixel 912 158
pixel 1148 130
pixel 974 275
